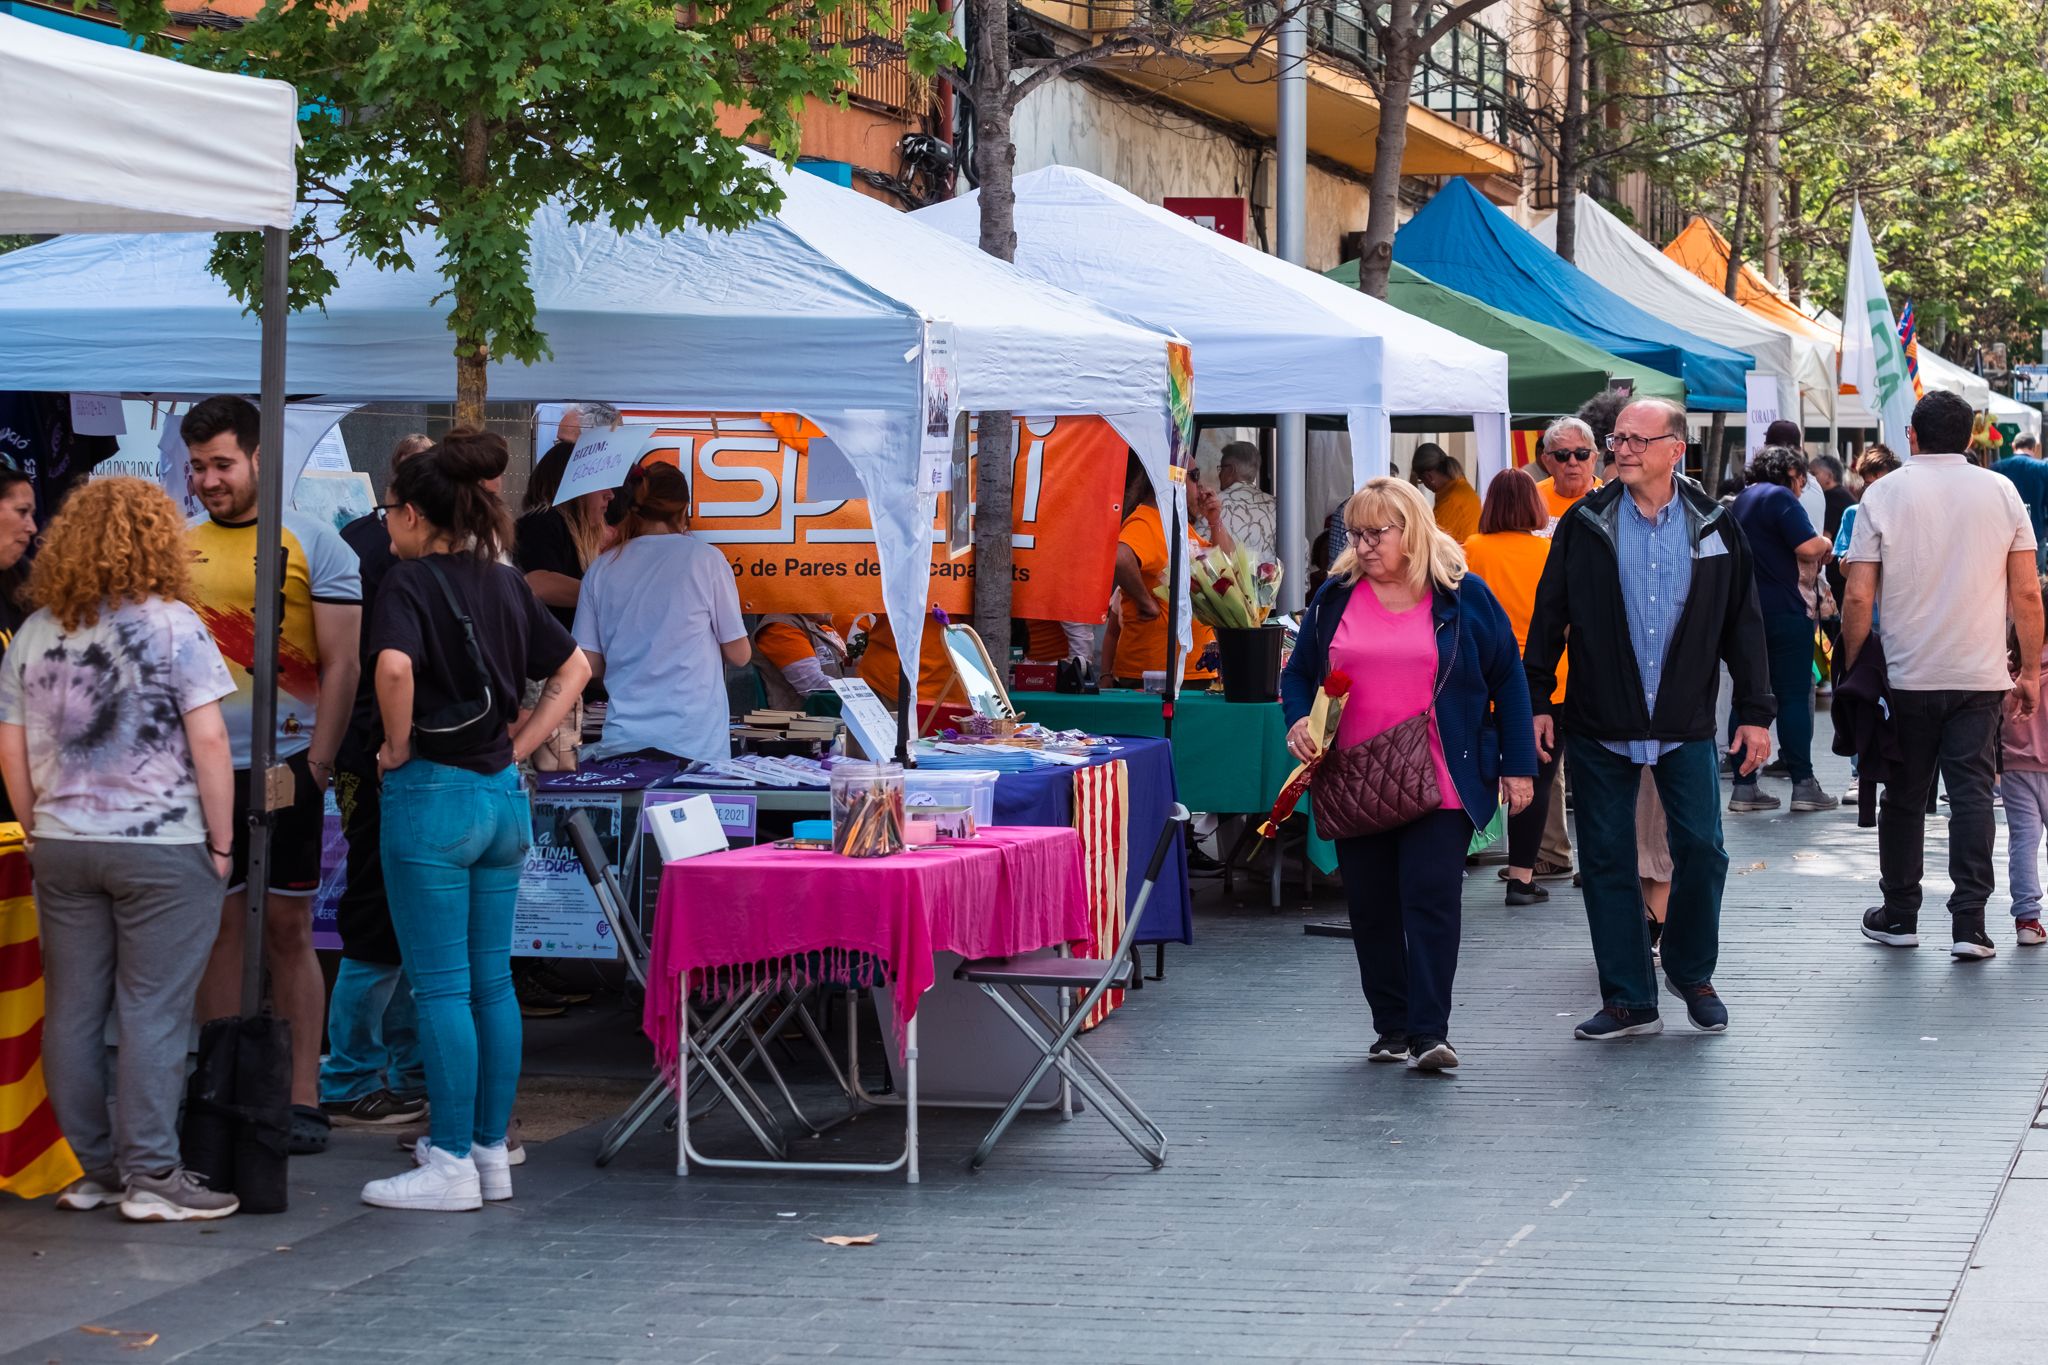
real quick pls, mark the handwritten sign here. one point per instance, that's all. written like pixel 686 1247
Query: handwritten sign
pixel 97 414
pixel 601 459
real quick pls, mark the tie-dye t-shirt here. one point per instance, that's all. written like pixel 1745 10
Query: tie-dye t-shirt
pixel 318 567
pixel 103 708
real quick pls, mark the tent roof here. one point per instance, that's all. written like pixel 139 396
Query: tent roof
pixel 1269 336
pixel 1613 254
pixel 1703 251
pixel 1465 243
pixel 818 307
pixel 1549 371
pixel 118 141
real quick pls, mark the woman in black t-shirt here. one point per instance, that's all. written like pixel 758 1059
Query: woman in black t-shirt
pixel 455 634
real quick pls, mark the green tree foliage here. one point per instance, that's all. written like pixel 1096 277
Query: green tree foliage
pixel 435 130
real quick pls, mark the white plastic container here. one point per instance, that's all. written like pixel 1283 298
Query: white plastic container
pixel 973 788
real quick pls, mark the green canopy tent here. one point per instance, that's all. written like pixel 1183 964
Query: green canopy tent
pixel 1549 371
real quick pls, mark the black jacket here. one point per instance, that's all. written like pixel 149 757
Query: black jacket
pixel 1862 711
pixel 1580 597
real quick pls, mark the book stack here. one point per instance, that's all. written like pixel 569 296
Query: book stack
pixel 785 733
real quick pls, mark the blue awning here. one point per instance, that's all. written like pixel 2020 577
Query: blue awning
pixel 1464 243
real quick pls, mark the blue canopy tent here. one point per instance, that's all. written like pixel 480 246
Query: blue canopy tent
pixel 1462 242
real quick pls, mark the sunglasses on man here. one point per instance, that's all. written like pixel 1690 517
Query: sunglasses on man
pixel 1580 453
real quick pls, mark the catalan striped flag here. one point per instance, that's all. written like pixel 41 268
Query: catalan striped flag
pixel 34 1158
pixel 1102 816
pixel 1909 338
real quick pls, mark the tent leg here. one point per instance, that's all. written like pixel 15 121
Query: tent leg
pixel 269 606
pixel 1290 483
pixel 1176 596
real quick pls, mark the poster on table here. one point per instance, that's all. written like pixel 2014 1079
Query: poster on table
pixel 1763 410
pixel 935 445
pixel 558 914
pixel 794 552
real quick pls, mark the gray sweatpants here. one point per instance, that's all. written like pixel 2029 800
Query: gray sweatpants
pixel 126 932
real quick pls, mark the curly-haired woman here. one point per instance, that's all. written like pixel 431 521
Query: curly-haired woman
pixel 111 733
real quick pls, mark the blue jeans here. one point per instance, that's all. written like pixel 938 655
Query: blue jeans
pixel 453 844
pixel 373 1040
pixel 1604 785
pixel 2026 806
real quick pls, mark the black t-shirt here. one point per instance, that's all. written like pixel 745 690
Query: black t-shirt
pixel 372 544
pixel 541 543
pixel 517 636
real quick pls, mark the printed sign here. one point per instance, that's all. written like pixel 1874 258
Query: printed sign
pixel 941 385
pixel 738 816
pixel 1763 410
pixel 874 729
pixel 98 414
pixel 794 551
pixel 558 914
pixel 960 494
pixel 600 461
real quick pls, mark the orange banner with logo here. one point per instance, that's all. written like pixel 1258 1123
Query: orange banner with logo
pixel 749 496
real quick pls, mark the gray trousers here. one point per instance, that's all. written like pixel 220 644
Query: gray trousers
pixel 126 932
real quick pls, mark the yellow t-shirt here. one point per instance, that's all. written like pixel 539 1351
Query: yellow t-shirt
pixel 1141 644
pixel 319 567
pixel 1511 563
pixel 1457 511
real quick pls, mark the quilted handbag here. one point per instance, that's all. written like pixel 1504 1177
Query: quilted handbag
pixel 1384 782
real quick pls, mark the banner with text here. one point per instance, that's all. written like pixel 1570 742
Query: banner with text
pixel 790 554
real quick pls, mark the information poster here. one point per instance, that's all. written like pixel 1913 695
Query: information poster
pixel 558 914
pixel 1763 410
pixel 960 494
pixel 941 388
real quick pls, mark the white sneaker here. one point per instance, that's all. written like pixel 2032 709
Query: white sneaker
pixel 2030 933
pixel 94 1189
pixel 441 1183
pixel 493 1166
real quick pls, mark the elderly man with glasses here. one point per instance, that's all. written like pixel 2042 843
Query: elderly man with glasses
pixel 1568 457
pixel 1649 585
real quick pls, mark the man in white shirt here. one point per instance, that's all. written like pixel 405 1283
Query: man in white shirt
pixel 1247 509
pixel 1945 551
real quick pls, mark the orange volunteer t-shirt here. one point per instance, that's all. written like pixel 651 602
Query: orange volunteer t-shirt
pixel 1556 503
pixel 881 667
pixel 1511 563
pixel 1141 644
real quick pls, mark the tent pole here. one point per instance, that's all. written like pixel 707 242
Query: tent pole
pixel 1290 464
pixel 1176 544
pixel 269 604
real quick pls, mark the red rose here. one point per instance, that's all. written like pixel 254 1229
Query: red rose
pixel 1337 683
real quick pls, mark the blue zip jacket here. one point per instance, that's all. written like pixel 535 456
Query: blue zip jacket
pixel 1482 714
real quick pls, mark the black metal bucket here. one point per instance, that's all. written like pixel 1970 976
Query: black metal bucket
pixel 1249 662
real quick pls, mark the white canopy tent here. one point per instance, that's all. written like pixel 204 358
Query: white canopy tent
pixel 1609 251
pixel 103 139
pixel 2025 415
pixel 821 309
pixel 1271 337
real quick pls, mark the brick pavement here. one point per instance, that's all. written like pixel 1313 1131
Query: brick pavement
pixel 1806 1187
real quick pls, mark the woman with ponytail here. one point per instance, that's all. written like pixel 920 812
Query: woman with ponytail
pixel 659 618
pixel 455 634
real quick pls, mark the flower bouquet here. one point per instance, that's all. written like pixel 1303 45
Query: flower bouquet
pixel 1228 591
pixel 1322 728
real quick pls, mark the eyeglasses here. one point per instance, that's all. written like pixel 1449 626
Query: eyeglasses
pixel 1636 445
pixel 1580 453
pixel 1369 535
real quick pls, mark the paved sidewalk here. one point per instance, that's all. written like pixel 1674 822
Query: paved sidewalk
pixel 1808 1186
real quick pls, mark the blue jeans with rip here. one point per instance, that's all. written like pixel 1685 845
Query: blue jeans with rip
pixel 373 1040
pixel 453 845
pixel 1605 784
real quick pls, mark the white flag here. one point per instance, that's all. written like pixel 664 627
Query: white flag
pixel 1872 358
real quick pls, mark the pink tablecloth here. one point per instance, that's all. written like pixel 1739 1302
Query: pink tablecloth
pixel 755 917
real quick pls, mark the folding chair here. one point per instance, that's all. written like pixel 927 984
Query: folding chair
pixel 1058 1041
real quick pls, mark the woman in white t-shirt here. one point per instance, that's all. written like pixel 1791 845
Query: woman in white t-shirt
pixel 115 753
pixel 660 619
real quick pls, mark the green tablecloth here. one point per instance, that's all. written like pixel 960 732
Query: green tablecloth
pixel 1229 758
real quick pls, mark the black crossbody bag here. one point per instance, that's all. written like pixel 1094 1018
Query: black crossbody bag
pixel 458 728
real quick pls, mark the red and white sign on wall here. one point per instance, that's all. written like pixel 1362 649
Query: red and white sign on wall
pixel 1229 216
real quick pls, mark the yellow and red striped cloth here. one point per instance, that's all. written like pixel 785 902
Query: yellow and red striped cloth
pixel 34 1158
pixel 1102 816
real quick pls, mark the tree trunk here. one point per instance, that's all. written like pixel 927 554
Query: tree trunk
pixel 472 349
pixel 995 166
pixel 1795 257
pixel 1571 135
pixel 1397 81
pixel 1739 224
pixel 1713 456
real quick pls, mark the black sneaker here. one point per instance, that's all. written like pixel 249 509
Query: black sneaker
pixel 545 976
pixel 1891 929
pixel 1432 1054
pixel 1702 1006
pixel 377 1107
pixel 1526 893
pixel 1388 1047
pixel 1616 1022
pixel 1971 944
pixel 1656 928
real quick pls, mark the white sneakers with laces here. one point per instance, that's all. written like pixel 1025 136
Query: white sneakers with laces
pixel 493 1166
pixel 440 1183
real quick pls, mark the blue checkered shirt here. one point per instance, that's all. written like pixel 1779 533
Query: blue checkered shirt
pixel 1655 558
